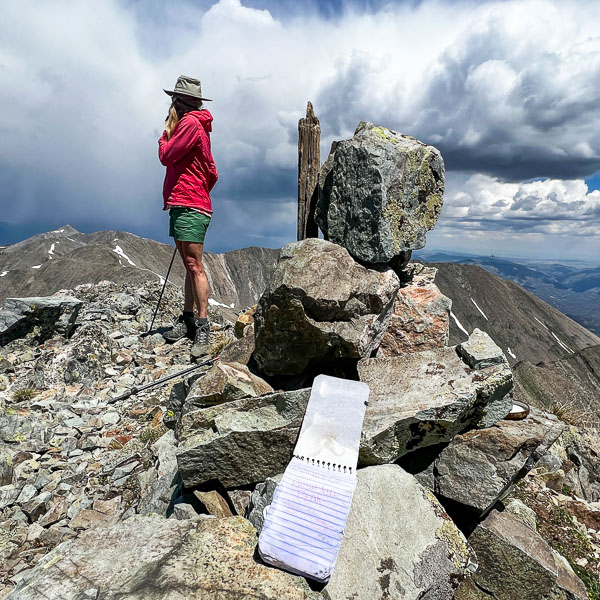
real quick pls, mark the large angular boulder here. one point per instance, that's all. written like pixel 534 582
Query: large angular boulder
pixel 225 382
pixel 152 558
pixel 50 315
pixel 515 563
pixel 379 193
pixel 241 442
pixel 480 467
pixel 320 305
pixel 427 398
pixel 420 317
pixel 399 543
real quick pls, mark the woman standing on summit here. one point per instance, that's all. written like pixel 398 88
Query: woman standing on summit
pixel 184 149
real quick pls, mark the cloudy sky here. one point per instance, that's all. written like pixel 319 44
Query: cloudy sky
pixel 509 91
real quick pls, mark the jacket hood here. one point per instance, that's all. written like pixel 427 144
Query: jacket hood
pixel 203 117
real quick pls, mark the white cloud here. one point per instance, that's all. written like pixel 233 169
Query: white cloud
pixel 504 88
pixel 549 206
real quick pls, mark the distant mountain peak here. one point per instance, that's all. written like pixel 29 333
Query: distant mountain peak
pixel 64 230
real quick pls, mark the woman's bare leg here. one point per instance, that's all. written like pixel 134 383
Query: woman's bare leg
pixel 188 303
pixel 196 275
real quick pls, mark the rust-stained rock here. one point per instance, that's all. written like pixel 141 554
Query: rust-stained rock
pixel 420 317
pixel 88 519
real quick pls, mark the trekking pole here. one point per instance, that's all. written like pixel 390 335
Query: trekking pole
pixel 135 390
pixel 162 291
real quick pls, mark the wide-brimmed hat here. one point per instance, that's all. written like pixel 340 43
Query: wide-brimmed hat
pixel 188 86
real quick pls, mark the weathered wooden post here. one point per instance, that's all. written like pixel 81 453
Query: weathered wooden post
pixel 309 162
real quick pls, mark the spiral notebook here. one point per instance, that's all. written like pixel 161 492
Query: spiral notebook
pixel 304 524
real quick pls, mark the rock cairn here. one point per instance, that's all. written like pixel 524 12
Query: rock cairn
pixel 162 495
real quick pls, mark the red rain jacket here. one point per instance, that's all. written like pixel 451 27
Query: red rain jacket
pixel 191 171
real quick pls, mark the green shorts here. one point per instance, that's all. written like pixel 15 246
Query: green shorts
pixel 187 225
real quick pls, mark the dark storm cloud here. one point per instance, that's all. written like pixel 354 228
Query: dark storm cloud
pixel 509 89
pixel 507 98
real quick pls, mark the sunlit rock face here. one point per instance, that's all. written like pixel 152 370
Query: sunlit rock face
pixel 379 193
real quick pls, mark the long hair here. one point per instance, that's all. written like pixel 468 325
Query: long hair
pixel 179 106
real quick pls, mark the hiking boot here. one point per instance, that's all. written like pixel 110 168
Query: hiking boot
pixel 201 340
pixel 184 327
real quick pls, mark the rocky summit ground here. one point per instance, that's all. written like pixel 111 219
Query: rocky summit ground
pixel 98 482
pixel 71 459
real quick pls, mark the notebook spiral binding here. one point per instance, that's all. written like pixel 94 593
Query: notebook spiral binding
pixel 325 465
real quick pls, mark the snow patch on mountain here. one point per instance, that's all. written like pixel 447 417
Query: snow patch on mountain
pixel 120 252
pixel 458 323
pixel 479 309
pixel 564 346
pixel 214 302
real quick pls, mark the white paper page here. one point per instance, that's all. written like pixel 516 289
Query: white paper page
pixel 305 523
pixel 333 422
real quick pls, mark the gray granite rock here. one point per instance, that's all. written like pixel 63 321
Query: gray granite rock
pixel 183 511
pixel 6 466
pixel 240 350
pixel 152 558
pixel 240 499
pixel 480 350
pixel 241 442
pixel 261 498
pixel 52 314
pixel 160 493
pixel 379 193
pixel 22 428
pixel 37 506
pixel 398 543
pixel 225 382
pixel 520 510
pixel 515 563
pixel 427 398
pixel 480 467
pixel 320 305
pixel 8 495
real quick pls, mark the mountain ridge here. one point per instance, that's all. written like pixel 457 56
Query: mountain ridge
pixel 574 290
pixel 524 325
